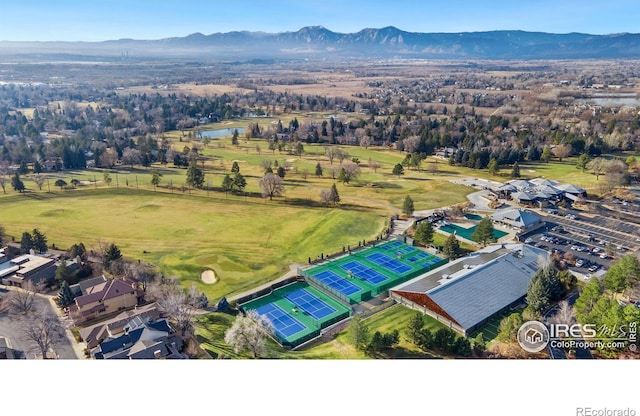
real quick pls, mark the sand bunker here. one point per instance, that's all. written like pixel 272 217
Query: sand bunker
pixel 208 277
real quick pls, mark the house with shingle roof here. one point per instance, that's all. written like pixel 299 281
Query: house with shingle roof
pixel 105 298
pixel 142 338
pixel 93 335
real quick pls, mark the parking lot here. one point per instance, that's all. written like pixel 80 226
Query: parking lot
pixel 594 229
pixel 581 255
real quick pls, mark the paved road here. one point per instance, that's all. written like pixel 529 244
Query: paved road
pixel 559 353
pixel 12 327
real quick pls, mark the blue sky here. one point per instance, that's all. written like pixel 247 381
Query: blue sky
pixel 95 20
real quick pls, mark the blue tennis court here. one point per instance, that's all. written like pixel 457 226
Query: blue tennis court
pixel 283 323
pixel 336 282
pixel 363 272
pixel 391 245
pixel 390 263
pixel 309 303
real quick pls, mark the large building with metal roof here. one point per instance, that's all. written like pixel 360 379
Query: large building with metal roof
pixel 467 292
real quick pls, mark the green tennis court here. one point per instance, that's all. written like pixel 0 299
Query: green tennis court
pixel 468 232
pixel 298 312
pixel 363 274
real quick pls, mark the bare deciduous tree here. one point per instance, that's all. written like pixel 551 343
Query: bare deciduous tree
pixel 143 273
pixel 3 182
pixel 411 144
pixel 597 166
pixel 266 164
pixel 373 165
pixel 22 299
pixel 249 332
pixel 39 181
pixel 341 154
pixel 325 196
pixel 565 315
pixel 172 298
pixel 271 185
pixel 561 151
pixel 43 329
pixel 351 171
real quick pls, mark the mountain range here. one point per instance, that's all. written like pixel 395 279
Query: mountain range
pixel 317 42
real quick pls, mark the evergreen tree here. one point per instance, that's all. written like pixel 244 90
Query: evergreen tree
pixel 239 182
pixel 546 154
pixel 358 332
pixel 26 242
pixel 479 344
pixel 342 177
pixel 39 241
pixel 78 250
pixel 65 295
pixel 545 287
pixel 398 169
pixel 227 183
pixel 493 167
pixel 318 169
pixel 424 233
pixel 588 297
pixel 195 176
pixel 281 172
pixel 61 183
pixel 235 168
pixel 537 295
pixel 23 169
pixel 64 273
pixel 515 171
pixel 407 206
pixel 155 178
pixel 509 327
pixel 234 138
pixel 37 167
pixel 623 274
pixel 582 162
pixel 334 198
pixel 17 183
pixel 484 232
pixel 451 247
pixel 111 254
pixel 414 326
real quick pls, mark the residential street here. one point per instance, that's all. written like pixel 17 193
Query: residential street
pixel 12 327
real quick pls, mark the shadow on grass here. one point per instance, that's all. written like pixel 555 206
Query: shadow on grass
pixel 402 353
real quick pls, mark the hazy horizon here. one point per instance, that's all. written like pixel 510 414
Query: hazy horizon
pixel 74 20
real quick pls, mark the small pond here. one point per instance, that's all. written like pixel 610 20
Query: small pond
pixel 214 134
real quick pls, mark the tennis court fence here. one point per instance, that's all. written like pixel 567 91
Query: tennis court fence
pixel 348 299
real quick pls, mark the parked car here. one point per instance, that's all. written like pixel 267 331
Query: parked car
pixel 594 267
pixel 579 263
pixel 603 256
pixel 528 240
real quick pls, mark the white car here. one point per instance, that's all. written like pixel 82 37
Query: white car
pixel 528 241
pixel 603 256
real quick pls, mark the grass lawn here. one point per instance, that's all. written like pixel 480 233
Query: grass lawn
pixel 246 242
pixel 211 327
pixel 439 241
pixel 491 329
